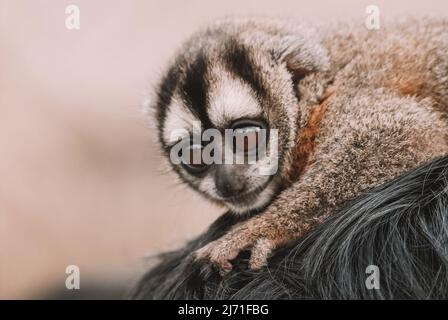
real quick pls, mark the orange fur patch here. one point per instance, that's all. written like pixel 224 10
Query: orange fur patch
pixel 413 88
pixel 408 84
pixel 306 145
pixel 406 78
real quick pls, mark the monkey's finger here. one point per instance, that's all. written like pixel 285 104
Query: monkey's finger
pixel 221 261
pixel 224 267
pixel 204 252
pixel 260 253
pixel 224 252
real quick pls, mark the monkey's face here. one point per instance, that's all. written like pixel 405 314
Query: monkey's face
pixel 227 114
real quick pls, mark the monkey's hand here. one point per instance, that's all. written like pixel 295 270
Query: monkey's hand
pixel 258 234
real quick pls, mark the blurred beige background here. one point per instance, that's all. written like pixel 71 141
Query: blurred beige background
pixel 81 181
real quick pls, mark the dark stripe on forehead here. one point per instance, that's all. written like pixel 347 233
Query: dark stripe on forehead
pixel 194 89
pixel 239 62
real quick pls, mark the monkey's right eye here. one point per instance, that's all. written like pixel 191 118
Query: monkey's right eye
pixel 192 160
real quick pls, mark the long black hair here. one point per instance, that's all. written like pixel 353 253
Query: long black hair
pixel 401 228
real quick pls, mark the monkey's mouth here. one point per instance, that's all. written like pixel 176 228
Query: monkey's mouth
pixel 247 198
pixel 242 199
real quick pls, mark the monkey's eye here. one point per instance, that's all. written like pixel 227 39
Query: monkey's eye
pixel 192 159
pixel 247 136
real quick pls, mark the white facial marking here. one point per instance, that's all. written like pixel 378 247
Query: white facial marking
pixel 178 118
pixel 207 185
pixel 231 99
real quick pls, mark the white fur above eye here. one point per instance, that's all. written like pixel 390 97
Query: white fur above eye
pixel 178 118
pixel 231 99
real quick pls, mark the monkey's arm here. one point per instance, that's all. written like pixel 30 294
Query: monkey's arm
pixel 296 210
pixel 361 156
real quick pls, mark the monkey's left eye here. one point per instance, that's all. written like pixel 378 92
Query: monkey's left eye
pixel 247 136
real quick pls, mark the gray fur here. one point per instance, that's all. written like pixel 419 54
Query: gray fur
pixel 401 227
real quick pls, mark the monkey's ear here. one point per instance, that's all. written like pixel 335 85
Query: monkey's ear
pixel 300 55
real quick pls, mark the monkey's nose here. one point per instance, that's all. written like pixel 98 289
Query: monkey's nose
pixel 228 184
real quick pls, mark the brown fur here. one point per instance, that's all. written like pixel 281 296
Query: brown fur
pixel 388 115
pixel 305 148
